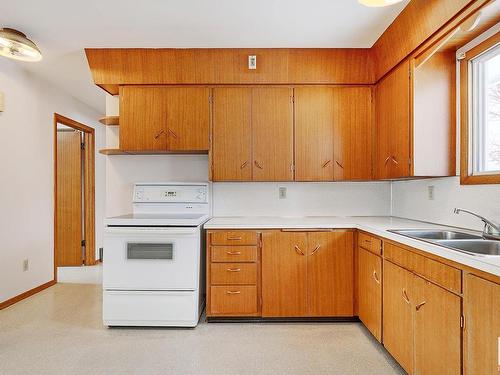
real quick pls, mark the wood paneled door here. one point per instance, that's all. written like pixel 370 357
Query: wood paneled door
pixel 252 136
pixel 69 198
pixel 74 193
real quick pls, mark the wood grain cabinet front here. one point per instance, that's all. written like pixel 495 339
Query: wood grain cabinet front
pixel 233 300
pixel 233 273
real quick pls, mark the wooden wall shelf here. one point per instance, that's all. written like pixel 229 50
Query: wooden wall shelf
pixel 112 151
pixel 116 151
pixel 110 120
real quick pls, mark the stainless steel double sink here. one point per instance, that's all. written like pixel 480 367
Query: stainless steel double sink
pixel 460 241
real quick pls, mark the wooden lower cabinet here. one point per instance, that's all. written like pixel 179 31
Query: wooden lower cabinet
pixel 398 315
pixel 482 326
pixel 421 327
pixel 307 274
pixel 233 300
pixel 369 275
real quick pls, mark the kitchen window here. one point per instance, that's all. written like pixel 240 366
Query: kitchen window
pixel 480 102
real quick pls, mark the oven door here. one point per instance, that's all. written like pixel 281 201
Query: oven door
pixel 137 258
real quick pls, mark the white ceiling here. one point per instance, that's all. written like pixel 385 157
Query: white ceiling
pixel 62 28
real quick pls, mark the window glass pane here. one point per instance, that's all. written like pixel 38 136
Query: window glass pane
pixel 486 112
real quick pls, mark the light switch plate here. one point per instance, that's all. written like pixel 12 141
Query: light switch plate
pixel 282 192
pixel 2 103
pixel 430 192
pixel 252 62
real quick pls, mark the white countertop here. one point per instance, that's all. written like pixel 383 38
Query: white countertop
pixel 377 225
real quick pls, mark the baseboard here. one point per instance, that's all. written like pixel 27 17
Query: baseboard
pixel 26 294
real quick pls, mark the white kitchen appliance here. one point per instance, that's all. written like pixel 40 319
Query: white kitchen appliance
pixel 153 266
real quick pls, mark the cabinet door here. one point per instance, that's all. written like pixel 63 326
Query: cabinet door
pixel 231 145
pixel 370 291
pixel 398 308
pixel 393 124
pixel 352 133
pixel 330 273
pixel 188 118
pixel 314 114
pixel 284 288
pixel 143 118
pixel 272 134
pixel 437 329
pixel 482 326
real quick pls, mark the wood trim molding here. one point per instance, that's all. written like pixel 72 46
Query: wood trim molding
pixel 465 177
pixel 26 294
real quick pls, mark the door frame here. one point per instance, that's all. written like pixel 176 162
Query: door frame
pixel 88 191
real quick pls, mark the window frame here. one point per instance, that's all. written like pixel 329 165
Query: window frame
pixel 466 124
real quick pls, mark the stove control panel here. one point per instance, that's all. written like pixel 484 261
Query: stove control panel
pixel 171 193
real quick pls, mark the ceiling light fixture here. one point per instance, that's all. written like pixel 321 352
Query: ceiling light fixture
pixel 15 45
pixel 378 3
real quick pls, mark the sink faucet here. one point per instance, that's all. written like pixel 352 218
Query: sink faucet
pixel 491 229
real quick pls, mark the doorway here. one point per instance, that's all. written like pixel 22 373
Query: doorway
pixel 74 194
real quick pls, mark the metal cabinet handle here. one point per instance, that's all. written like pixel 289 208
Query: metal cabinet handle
pixel 258 165
pixel 159 134
pixel 394 160
pixel 233 292
pixel 326 163
pixel 173 134
pixel 417 307
pixel 233 252
pixel 234 238
pixel 340 165
pixel 405 297
pixel 234 269
pixel 375 277
pixel 244 164
pixel 386 160
pixel 298 250
pixel 316 249
pixel 367 241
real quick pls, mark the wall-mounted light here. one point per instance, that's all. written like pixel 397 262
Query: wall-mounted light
pixel 15 45
pixel 378 3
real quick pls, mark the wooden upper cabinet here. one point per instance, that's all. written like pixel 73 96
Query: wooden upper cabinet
pixel 188 118
pixel 370 291
pixel 162 118
pixel 284 286
pixel 482 326
pixel 231 139
pixel 314 117
pixel 272 134
pixel 392 107
pixel 398 305
pixel 330 273
pixel 352 133
pixel 437 329
pixel 143 118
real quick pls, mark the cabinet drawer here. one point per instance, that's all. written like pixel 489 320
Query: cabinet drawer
pixel 236 237
pixel 233 300
pixel 234 253
pixel 370 243
pixel 233 273
pixel 440 273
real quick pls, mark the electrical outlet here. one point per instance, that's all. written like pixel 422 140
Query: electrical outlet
pixel 252 62
pixel 430 192
pixel 26 265
pixel 282 192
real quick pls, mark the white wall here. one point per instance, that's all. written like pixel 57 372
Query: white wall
pixel 303 199
pixel 26 188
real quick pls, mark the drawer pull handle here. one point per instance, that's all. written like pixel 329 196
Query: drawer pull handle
pixel 298 250
pixel 315 249
pixel 244 164
pixel 368 241
pixel 234 269
pixel 420 305
pixel 340 165
pixel 326 163
pixel 234 238
pixel 233 292
pixel 258 165
pixel 160 133
pixel 375 277
pixel 405 297
pixel 386 160
pixel 233 252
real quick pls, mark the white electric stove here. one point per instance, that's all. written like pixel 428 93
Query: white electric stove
pixel 153 266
